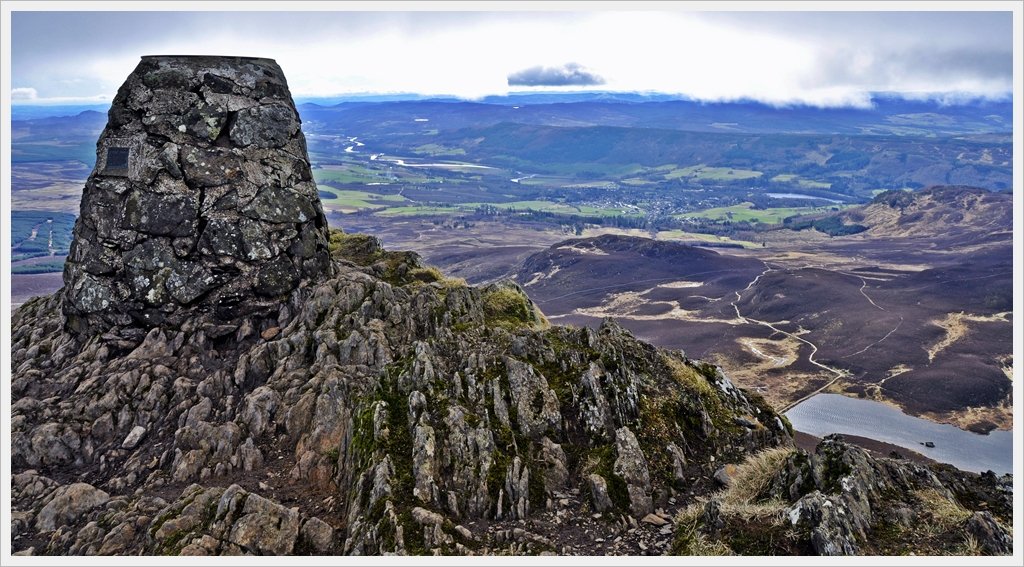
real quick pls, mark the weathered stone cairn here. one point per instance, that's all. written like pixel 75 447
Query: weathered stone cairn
pixel 202 202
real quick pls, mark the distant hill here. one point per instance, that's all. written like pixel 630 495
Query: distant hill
pixel 888 116
pixel 35 112
pixel 854 165
pixel 940 211
pixel 57 138
pixel 582 271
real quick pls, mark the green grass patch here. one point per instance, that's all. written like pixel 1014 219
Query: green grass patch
pixel 348 173
pixel 703 172
pixel 601 461
pixel 745 212
pixel 347 200
pixel 508 307
pixel 438 150
pixel 806 183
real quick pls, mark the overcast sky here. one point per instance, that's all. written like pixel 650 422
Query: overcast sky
pixel 820 58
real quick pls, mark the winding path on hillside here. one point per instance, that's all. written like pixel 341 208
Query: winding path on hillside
pixel 814 348
pixel 864 284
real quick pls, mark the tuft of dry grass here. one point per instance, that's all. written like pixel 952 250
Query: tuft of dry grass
pixel 430 274
pixel 704 546
pixel 753 476
pixel 945 513
pixel 971 546
pixel 689 540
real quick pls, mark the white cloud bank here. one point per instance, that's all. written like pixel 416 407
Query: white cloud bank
pixel 837 60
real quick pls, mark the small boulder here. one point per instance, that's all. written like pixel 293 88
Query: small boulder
pixel 725 475
pixel 464 532
pixel 317 534
pixel 654 520
pixel 270 333
pixel 133 438
pixel 599 493
pixel 266 527
pixel 425 517
pixel 68 504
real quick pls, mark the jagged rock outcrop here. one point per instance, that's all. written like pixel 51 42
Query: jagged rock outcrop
pixel 383 389
pixel 201 204
pixel 841 500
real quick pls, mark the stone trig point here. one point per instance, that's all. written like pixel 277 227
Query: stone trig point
pixel 202 202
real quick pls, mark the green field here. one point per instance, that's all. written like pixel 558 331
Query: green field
pixel 746 212
pixel 814 184
pixel 704 172
pixel 590 211
pixel 593 170
pixel 350 201
pixel 355 174
pixel 636 182
pixel 555 207
pixel 438 150
pixel 566 181
pixel 349 173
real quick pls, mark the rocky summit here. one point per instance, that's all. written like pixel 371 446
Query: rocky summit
pixel 365 404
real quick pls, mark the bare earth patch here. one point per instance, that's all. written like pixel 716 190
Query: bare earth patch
pixel 977 418
pixel 625 305
pixel 593 251
pixel 773 353
pixel 956 327
pixel 680 285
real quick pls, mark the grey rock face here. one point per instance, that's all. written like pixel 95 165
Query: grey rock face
pixel 201 203
pixel 842 500
pixel 632 467
pixel 991 537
